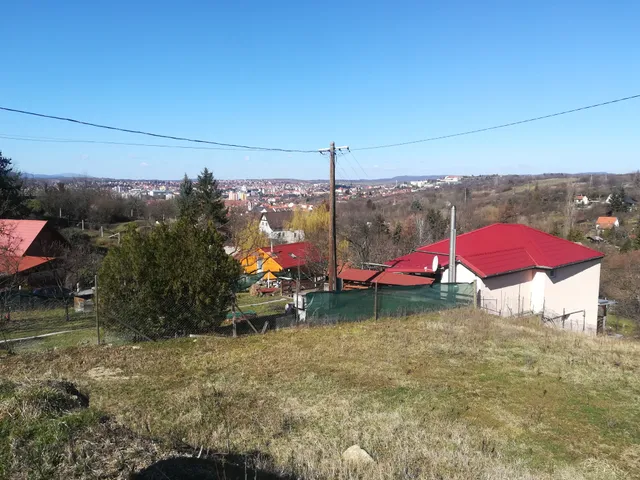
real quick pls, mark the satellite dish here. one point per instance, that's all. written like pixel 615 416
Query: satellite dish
pixel 435 263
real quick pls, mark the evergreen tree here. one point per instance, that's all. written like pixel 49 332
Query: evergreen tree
pixel 187 199
pixel 617 200
pixel 11 200
pixel 210 203
pixel 174 280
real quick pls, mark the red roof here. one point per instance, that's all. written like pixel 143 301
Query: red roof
pixel 290 255
pixel 12 265
pixel 390 278
pixel 27 263
pixel 18 235
pixel 357 275
pixel 497 249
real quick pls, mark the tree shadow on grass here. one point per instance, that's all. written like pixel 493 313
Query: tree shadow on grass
pixel 218 467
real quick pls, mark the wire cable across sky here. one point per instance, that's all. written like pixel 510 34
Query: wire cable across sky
pixel 10 136
pixel 158 135
pixel 496 127
pixel 241 147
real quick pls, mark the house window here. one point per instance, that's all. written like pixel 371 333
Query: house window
pixel 552 274
pixel 260 262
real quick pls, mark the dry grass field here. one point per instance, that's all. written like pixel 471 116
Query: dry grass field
pixel 457 394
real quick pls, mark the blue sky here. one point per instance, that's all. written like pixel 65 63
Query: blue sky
pixel 297 75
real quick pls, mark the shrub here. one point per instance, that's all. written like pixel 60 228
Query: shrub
pixel 173 280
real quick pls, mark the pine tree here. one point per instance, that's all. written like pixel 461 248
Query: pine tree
pixel 11 200
pixel 187 199
pixel 617 200
pixel 173 280
pixel 209 199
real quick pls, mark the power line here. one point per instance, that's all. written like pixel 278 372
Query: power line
pixel 363 171
pixel 345 177
pixel 343 155
pixel 240 147
pixel 104 142
pixel 150 134
pixel 470 132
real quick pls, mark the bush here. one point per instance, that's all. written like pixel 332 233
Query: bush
pixel 173 280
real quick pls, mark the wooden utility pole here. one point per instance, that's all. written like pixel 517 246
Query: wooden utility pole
pixel 333 262
pixel 297 302
pixel 95 305
pixel 333 256
pixel 375 301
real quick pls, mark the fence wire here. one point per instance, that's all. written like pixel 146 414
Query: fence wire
pixel 29 321
pixel 35 322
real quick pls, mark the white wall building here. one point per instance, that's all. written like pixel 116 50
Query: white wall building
pixel 582 200
pixel 519 270
pixel 274 225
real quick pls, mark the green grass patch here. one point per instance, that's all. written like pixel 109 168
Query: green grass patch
pixel 621 325
pixel 263 306
pixel 455 394
pixel 30 323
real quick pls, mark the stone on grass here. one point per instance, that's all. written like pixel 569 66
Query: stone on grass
pixel 355 454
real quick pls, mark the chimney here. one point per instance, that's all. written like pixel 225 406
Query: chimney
pixel 452 247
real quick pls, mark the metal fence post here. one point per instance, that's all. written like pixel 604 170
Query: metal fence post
pixel 95 305
pixel 375 300
pixel 475 293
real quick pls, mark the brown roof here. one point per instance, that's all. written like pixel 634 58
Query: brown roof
pixel 606 222
pixel 278 220
pixel 390 278
pixel 357 275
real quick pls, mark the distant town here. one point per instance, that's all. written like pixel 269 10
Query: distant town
pixel 266 194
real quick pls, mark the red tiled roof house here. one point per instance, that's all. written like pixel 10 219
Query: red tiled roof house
pixel 28 247
pixel 519 270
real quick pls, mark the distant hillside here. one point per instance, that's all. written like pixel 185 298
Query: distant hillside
pixel 57 176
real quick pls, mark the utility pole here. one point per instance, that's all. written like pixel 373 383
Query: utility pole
pixel 95 305
pixel 452 247
pixel 297 302
pixel 333 261
pixel 333 257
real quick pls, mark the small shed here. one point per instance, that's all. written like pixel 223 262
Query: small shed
pixel 83 301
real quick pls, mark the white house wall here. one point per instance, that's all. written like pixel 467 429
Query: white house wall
pixel 508 294
pixel 505 295
pixel 538 284
pixel 574 288
pixel 265 227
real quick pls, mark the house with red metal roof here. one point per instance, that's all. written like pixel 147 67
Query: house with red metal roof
pixel 518 270
pixel 28 247
pixel 286 258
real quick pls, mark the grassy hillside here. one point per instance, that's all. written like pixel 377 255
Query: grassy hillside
pixel 453 395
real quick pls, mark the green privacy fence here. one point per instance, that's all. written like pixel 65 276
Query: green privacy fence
pixel 247 280
pixel 354 305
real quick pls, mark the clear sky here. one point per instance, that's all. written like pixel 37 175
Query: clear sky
pixel 301 74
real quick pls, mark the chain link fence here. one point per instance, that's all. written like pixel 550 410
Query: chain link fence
pixel 54 318
pixel 567 320
pixel 36 322
pixel 32 321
